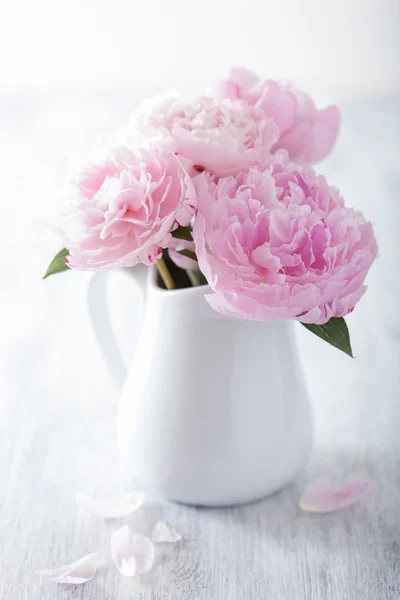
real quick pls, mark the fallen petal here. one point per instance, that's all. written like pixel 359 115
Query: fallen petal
pixel 132 554
pixel 78 572
pixel 163 533
pixel 321 497
pixel 111 508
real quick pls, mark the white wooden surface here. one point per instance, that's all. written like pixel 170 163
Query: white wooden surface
pixel 57 404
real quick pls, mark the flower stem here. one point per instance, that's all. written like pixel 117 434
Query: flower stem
pixel 165 274
pixel 196 277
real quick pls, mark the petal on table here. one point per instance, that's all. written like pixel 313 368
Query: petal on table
pixel 132 554
pixel 322 497
pixel 78 572
pixel 111 508
pixel 164 534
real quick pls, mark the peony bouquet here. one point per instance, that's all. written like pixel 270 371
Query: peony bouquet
pixel 220 190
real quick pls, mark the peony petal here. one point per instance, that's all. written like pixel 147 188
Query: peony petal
pixel 78 572
pixel 111 508
pixel 321 497
pixel 163 533
pixel 310 141
pixel 132 554
pixel 181 261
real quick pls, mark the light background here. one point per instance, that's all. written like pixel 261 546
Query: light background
pixel 352 45
pixel 72 70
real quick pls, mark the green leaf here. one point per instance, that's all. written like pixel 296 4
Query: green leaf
pixel 58 263
pixel 188 254
pixel 182 233
pixel 334 332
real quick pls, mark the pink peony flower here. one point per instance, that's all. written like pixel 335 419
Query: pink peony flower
pixel 306 133
pixel 278 243
pixel 222 137
pixel 122 208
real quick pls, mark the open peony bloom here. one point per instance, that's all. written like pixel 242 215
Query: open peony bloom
pixel 122 208
pixel 305 132
pixel 278 243
pixel 220 136
pixel 321 497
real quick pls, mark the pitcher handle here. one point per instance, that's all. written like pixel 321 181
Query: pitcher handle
pixel 99 314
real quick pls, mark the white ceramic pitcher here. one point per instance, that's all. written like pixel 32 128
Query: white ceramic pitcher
pixel 214 410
